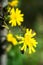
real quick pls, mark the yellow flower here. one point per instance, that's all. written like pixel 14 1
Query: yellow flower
pixel 28 41
pixel 13 3
pixel 16 17
pixel 11 39
pixel 14 41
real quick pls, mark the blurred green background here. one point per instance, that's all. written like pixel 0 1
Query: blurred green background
pixel 33 18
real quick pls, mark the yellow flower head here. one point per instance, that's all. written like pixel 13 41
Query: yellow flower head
pixel 11 39
pixel 16 17
pixel 28 40
pixel 13 3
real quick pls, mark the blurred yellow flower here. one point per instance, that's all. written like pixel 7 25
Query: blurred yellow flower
pixel 16 17
pixel 13 3
pixel 14 41
pixel 28 41
pixel 11 39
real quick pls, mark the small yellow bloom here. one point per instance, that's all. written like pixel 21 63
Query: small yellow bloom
pixel 16 17
pixel 13 3
pixel 28 40
pixel 11 39
pixel 14 41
